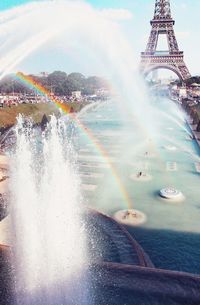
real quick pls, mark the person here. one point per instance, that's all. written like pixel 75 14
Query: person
pixel 71 110
pixel 139 174
pixel 126 214
pixel 134 214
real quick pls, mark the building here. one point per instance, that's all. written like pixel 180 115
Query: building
pixel 76 95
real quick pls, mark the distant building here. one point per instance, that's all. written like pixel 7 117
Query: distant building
pixel 43 74
pixel 76 94
pixel 100 92
pixel 183 92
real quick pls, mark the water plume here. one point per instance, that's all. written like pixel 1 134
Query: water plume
pixel 80 31
pixel 49 251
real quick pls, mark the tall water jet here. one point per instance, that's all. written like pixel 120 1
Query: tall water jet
pixel 48 235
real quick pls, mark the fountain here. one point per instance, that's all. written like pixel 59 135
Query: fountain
pixel 170 147
pixel 50 249
pixel 141 177
pixel 171 194
pixel 174 120
pixel 130 217
pixel 50 228
pixel 48 245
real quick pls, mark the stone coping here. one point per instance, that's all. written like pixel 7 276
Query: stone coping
pixel 169 287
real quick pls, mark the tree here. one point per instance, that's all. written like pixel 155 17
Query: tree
pixel 192 80
pixel 58 82
pixel 78 81
pixel 94 83
pixel 55 82
pixel 10 84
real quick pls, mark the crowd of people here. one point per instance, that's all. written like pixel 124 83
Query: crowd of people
pixel 14 100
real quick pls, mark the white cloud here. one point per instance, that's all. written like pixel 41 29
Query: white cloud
pixel 116 14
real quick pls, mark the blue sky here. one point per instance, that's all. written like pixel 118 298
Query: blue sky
pixel 185 12
pixel 4 4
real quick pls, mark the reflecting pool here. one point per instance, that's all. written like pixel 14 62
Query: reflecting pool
pixel 120 149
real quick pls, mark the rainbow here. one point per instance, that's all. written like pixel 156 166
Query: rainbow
pixel 31 82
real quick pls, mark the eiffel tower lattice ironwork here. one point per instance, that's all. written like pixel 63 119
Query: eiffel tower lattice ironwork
pixel 172 59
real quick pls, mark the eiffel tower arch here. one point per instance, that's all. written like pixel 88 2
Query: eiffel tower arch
pixel 171 59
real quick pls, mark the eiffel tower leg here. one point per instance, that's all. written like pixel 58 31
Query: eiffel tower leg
pixel 153 41
pixel 184 71
pixel 172 42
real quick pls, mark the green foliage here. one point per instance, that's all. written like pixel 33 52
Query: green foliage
pixel 192 80
pixel 94 83
pixel 9 84
pixel 57 82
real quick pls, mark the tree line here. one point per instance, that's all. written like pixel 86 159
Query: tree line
pixel 57 82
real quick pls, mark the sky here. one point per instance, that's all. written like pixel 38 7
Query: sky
pixel 133 17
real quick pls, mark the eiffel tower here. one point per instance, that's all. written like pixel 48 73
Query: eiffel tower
pixel 172 59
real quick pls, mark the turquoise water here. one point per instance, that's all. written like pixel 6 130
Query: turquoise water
pixel 171 233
